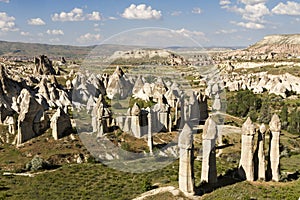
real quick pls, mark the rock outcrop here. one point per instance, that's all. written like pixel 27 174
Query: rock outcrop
pixel 60 124
pixel 43 66
pixel 119 85
pixel 32 120
pixel 101 117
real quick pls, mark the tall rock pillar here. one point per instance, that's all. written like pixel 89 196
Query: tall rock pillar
pixel 150 139
pixel 209 168
pixel 261 153
pixel 246 166
pixel 186 166
pixel 275 127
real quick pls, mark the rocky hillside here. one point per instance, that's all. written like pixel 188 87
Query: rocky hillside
pixel 280 44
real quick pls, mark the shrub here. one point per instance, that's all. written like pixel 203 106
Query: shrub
pixel 37 163
pixel 146 186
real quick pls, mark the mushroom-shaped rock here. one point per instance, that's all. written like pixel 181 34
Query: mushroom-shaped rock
pixel 275 124
pixel 185 139
pixel 210 129
pixel 136 110
pixel 262 128
pixel 248 127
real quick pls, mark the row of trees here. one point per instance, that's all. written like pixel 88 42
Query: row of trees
pixel 260 108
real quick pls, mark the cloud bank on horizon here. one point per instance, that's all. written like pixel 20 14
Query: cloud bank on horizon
pixel 219 23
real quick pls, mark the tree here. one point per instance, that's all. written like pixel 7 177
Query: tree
pixel 265 114
pixel 284 114
pixel 243 102
pixel 294 121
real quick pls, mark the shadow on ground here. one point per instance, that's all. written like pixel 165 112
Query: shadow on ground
pixel 229 178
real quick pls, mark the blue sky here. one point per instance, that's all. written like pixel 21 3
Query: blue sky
pixel 87 22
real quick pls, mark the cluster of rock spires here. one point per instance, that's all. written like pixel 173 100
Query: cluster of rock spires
pixel 252 163
pixel 26 107
pixel 249 158
pixel 168 112
pixel 259 82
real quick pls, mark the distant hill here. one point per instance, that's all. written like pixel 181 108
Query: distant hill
pixel 20 49
pixel 282 44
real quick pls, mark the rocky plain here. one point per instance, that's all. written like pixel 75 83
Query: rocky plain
pixel 196 124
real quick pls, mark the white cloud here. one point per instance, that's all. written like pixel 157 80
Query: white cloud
pixel 7 23
pixel 223 31
pixel 36 22
pixel 224 2
pixel 76 14
pixel 251 10
pixel 112 18
pixel 290 8
pixel 25 33
pixel 189 33
pixel 234 9
pixel 197 11
pixel 94 16
pixel 5 1
pixel 88 37
pixel 255 12
pixel 55 32
pixel 252 2
pixel 195 35
pixel 250 25
pixel 176 13
pixel 141 12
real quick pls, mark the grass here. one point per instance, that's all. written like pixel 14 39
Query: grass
pixel 85 181
pixel 257 190
pixel 271 69
pixel 96 181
